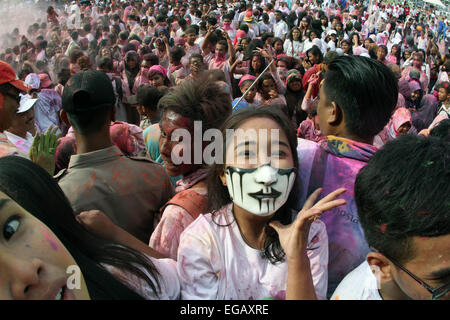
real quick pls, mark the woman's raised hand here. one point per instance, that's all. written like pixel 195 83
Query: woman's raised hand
pixel 294 237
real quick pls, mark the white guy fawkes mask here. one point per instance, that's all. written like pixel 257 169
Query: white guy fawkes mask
pixel 261 191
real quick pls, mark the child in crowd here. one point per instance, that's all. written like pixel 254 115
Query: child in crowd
pixel 244 83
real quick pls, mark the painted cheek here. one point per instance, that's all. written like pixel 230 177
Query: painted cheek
pixel 50 239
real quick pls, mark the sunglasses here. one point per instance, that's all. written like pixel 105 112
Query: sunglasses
pixel 436 293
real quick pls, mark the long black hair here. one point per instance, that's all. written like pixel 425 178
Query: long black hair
pixel 35 190
pixel 218 195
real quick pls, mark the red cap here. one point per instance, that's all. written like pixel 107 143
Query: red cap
pixel 7 75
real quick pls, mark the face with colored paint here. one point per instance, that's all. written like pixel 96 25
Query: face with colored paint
pixel 170 145
pixel 33 262
pixel 259 168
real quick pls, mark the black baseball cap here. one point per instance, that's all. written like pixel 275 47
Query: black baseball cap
pixel 87 91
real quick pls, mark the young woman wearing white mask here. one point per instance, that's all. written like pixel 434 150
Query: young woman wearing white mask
pixel 249 247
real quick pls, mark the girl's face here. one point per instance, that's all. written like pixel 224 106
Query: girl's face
pixel 251 93
pixel 176 149
pixel 312 36
pixel 366 43
pixel 267 86
pixel 394 50
pixel 131 63
pixel 278 46
pixel 244 44
pixel 355 40
pixel 295 34
pixel 256 63
pixel 295 85
pixel 157 80
pixel 442 94
pixel 33 262
pixel 381 54
pixel 415 95
pixel 190 38
pixel 312 58
pixel 407 55
pixel 345 47
pixel 259 168
pixel 281 64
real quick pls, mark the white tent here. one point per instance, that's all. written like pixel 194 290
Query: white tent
pixel 435 2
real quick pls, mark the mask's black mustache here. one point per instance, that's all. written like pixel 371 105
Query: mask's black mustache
pixel 262 195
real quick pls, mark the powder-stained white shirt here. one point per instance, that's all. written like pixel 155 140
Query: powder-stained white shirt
pixel 214 262
pixel 360 284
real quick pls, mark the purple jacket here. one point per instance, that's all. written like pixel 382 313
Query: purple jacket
pixel 333 163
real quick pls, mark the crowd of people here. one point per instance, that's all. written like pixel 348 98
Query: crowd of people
pixel 111 111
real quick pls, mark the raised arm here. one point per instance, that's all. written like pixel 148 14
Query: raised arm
pixel 205 44
pixel 99 223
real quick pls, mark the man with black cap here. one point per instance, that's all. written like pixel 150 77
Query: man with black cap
pixel 129 190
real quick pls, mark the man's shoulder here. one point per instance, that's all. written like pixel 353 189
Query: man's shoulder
pixel 306 145
pixel 359 284
pixel 60 175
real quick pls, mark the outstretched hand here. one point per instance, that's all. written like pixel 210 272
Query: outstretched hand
pixel 294 237
pixel 43 148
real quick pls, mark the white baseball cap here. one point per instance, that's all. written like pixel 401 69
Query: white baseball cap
pixel 330 32
pixel 26 103
pixel 33 80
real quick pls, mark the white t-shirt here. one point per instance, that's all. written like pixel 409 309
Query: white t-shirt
pixel 292 48
pixel 360 284
pixel 215 263
pixel 22 144
pixel 280 29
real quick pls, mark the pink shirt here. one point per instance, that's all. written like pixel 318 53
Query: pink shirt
pixel 166 236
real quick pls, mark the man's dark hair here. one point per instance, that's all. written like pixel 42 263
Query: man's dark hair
pixel 403 193
pixel 105 64
pixel 87 27
pixel 330 56
pixel 202 100
pixel 74 35
pixel 244 27
pixel 176 53
pixel 211 20
pixel 365 90
pixel 266 35
pixel 191 29
pixel 182 22
pixel 148 96
pixel 152 58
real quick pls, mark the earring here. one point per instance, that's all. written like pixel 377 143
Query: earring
pixel 225 183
